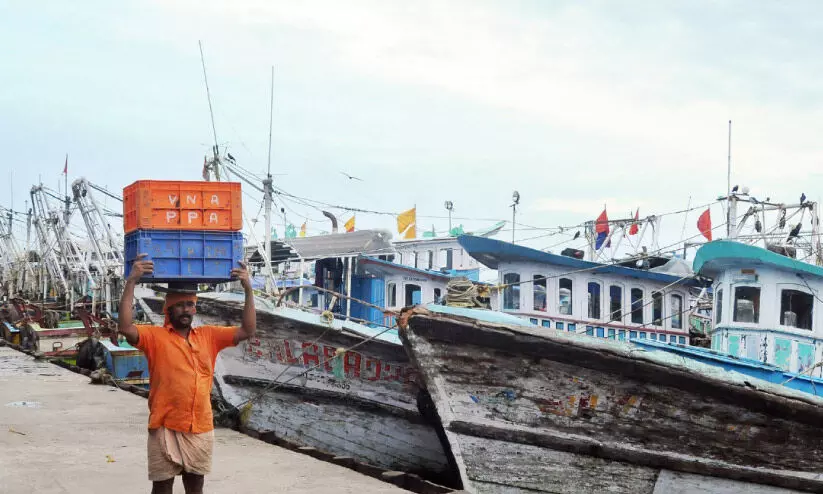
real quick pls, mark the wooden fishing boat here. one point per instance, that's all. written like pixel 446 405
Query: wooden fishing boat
pixel 60 341
pixel 362 404
pixel 530 410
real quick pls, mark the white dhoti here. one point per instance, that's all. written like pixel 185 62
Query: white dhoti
pixel 171 453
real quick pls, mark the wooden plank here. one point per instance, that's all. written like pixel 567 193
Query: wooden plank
pixel 385 440
pixel 669 482
pixel 488 462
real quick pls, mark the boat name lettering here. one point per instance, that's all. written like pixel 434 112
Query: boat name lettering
pixel 348 365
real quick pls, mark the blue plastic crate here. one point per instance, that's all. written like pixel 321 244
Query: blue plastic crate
pixel 180 255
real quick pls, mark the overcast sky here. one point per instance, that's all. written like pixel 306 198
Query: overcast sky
pixel 573 104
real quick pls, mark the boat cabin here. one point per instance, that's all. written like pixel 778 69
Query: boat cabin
pixel 445 255
pixel 393 286
pixel 566 293
pixel 766 305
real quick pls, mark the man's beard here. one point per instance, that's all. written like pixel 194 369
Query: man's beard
pixel 178 324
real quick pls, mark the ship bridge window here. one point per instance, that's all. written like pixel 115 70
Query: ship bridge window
pixel 637 305
pixel 391 294
pixel 677 312
pixel 718 313
pixel 539 288
pixel 747 304
pixel 594 300
pixel 565 296
pixel 511 291
pixel 414 294
pixel 615 303
pixel 796 309
pixel 657 308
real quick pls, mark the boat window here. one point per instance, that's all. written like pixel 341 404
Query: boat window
pixel 637 305
pixel 677 311
pixel 391 295
pixel 657 308
pixel 718 313
pixel 615 303
pixel 594 300
pixel 413 294
pixel 436 295
pixel 747 304
pixel 539 289
pixel 511 291
pixel 431 259
pixel 565 296
pixel 796 309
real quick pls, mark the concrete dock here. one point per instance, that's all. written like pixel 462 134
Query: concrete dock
pixel 59 434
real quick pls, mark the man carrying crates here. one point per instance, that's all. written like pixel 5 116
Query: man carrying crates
pixel 181 370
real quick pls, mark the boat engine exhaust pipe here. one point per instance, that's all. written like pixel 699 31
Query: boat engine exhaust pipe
pixel 333 220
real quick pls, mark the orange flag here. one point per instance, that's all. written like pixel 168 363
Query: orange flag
pixel 350 225
pixel 704 224
pixel 407 223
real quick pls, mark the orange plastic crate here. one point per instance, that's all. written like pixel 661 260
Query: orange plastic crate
pixel 178 205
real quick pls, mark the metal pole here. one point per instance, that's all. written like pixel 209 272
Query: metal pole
pixel 267 185
pixel 729 182
pixel 267 194
pixel 514 211
pixel 350 262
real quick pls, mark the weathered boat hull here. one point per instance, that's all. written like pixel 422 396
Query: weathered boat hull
pixel 526 410
pixel 361 404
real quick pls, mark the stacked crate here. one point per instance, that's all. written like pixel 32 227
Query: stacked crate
pixel 191 230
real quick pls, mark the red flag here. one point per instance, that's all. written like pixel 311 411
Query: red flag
pixel 634 228
pixel 66 166
pixel 704 224
pixel 602 223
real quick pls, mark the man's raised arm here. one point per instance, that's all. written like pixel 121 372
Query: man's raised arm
pixel 249 325
pixel 125 320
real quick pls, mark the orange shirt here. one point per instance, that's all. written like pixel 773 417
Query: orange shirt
pixel 181 373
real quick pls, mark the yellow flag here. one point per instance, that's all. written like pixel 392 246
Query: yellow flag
pixel 350 225
pixel 407 223
pixel 303 230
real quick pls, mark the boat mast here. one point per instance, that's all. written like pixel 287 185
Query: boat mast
pixel 729 185
pixel 267 194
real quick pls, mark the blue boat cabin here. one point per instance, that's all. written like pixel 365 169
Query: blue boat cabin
pixel 766 306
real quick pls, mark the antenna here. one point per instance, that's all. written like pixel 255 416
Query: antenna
pixel 271 117
pixel 208 96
